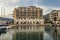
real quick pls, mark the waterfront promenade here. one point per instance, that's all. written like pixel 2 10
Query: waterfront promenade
pixel 43 25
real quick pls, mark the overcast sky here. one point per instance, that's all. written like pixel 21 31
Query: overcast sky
pixel 47 5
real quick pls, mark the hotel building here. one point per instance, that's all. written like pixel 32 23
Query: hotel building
pixel 53 16
pixel 28 15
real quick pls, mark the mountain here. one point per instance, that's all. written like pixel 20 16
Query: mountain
pixel 6 19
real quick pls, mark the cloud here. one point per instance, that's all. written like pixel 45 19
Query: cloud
pixel 38 0
pixel 47 9
pixel 7 1
pixel 32 0
pixel 9 5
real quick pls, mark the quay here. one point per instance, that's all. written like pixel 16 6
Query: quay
pixel 43 25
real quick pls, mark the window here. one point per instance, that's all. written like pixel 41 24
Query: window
pixel 41 13
pixel 33 13
pixel 20 13
pixel 24 9
pixel 29 14
pixel 24 13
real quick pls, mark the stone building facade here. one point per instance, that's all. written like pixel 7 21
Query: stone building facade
pixel 28 15
pixel 55 16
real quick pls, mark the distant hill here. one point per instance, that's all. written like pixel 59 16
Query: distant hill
pixel 6 19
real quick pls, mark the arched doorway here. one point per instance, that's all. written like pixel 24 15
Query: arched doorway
pixel 27 22
pixel 30 22
pixel 37 22
pixel 24 23
pixel 17 22
pixel 21 22
pixel 33 22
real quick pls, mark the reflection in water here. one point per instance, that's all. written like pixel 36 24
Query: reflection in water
pixel 47 36
pixel 25 36
pixel 29 36
pixel 7 36
pixel 28 33
pixel 2 32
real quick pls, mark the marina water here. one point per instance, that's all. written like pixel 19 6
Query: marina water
pixel 11 34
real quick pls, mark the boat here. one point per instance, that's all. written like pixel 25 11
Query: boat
pixel 2 30
pixel 3 25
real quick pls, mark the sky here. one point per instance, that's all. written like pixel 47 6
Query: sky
pixel 47 5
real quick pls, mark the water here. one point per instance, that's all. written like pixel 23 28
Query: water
pixel 9 35
pixel 47 36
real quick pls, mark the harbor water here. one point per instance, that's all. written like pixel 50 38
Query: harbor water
pixel 12 35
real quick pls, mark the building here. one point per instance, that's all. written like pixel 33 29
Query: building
pixel 53 16
pixel 28 15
